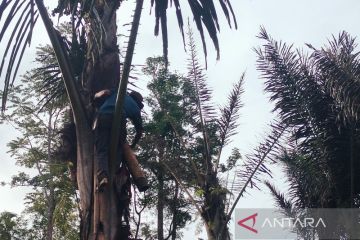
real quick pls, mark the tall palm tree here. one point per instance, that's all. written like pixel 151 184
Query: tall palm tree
pixel 94 46
pixel 316 96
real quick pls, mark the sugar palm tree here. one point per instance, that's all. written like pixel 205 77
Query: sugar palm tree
pixel 89 62
pixel 317 97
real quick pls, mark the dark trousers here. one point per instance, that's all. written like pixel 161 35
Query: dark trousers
pixel 102 142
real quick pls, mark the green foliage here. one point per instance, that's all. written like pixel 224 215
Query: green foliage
pixel 161 145
pixel 199 192
pixel 231 162
pixel 14 227
pixel 147 233
pixel 51 204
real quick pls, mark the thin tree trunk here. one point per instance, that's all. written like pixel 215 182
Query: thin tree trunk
pixel 174 210
pixel 160 198
pixel 51 208
pixel 160 205
pixel 51 197
pixel 139 214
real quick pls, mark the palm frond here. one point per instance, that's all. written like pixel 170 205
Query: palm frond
pixel 203 94
pixel 278 64
pixel 160 16
pixel 49 73
pixel 306 190
pixel 294 86
pixel 255 163
pixel 291 211
pixel 230 112
pixel 280 199
pixel 340 66
pixel 204 13
pixel 203 111
pixel 229 115
pixel 24 15
pixel 76 8
pixel 180 19
pixel 303 90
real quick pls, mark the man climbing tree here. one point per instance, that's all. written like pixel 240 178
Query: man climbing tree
pixel 102 126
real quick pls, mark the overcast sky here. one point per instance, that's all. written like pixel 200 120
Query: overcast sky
pixel 292 21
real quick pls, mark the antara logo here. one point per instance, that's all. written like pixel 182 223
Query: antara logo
pixel 253 217
pixel 280 222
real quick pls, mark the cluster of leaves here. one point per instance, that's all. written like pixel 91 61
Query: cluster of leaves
pixel 204 13
pixel 13 226
pixel 53 87
pixel 316 97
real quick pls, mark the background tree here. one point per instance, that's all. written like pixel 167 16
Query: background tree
pixel 161 145
pixel 316 96
pixel 97 21
pixel 52 204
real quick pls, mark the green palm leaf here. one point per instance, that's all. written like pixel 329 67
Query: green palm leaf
pixel 20 36
pixel 340 65
pixel 205 15
pixel 230 113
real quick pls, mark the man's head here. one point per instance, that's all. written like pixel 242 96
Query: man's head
pixel 138 98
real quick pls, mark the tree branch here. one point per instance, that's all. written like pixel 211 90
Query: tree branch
pixel 193 165
pixel 184 188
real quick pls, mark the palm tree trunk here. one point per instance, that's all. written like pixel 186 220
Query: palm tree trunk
pixel 214 212
pixel 216 228
pixel 101 73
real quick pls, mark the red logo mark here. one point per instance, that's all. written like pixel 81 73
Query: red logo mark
pixel 253 217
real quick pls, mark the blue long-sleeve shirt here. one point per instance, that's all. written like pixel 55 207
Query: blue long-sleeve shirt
pixel 131 109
